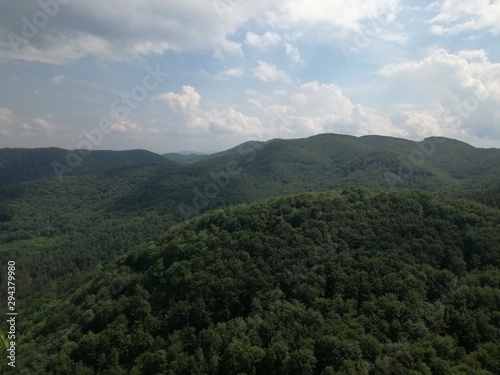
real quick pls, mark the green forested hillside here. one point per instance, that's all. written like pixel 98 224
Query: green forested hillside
pixel 463 161
pixel 485 190
pixel 329 161
pixel 345 282
pixel 55 227
pixel 184 158
pixel 22 164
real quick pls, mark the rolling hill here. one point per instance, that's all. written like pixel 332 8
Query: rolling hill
pixel 345 282
pixel 399 282
pixel 21 165
pixel 56 227
pixel 185 157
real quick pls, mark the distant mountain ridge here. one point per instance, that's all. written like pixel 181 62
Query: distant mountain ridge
pixel 185 158
pixel 21 164
pixel 455 158
pixel 278 167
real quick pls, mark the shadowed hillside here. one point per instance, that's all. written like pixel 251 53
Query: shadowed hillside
pixel 347 282
pixel 59 226
pixel 22 164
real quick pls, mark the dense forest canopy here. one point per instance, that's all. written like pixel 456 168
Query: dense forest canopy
pixel 58 226
pixel 21 165
pixel 346 282
pixel 118 273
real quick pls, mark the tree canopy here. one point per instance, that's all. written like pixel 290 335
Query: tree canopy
pixel 345 282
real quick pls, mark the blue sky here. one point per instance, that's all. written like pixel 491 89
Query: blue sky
pixel 207 75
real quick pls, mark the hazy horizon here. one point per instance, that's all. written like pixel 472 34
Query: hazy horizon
pixel 208 152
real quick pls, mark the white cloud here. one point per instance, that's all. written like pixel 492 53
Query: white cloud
pixel 474 55
pixel 419 124
pixel 42 124
pixel 229 120
pixel 267 72
pixel 451 76
pixel 185 116
pixel 343 15
pixel 457 16
pixel 293 52
pixel 262 41
pixel 16 126
pixel 58 80
pixel 441 121
pixel 60 48
pixel 464 86
pixel 314 107
pixel 186 101
pixel 332 111
pixel 123 125
pixel 392 37
pixel 6 118
pixel 39 126
pixel 5 115
pixel 230 73
pixel 118 30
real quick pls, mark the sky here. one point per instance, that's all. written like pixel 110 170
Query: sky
pixel 206 75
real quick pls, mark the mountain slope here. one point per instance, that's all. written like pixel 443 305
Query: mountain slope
pixel 184 158
pixel 343 282
pixel 462 161
pixel 57 227
pixel 329 161
pixel 20 165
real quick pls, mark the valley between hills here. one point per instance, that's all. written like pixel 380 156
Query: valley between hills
pixel 332 254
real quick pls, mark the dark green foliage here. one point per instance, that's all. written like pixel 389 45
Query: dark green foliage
pixel 347 282
pixel 58 226
pixel 52 228
pixel 352 282
pixel 22 164
pixel 185 158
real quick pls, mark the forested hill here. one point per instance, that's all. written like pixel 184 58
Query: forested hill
pixel 317 163
pixel 184 158
pixel 23 164
pixel 345 282
pixel 330 161
pixel 55 227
